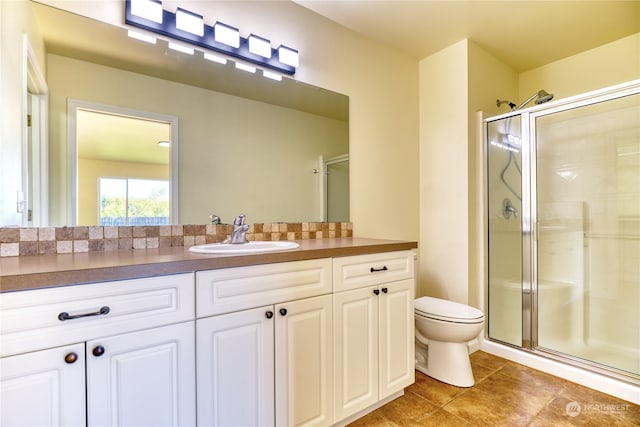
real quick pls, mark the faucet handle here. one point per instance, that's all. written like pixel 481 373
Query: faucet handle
pixel 215 219
pixel 239 220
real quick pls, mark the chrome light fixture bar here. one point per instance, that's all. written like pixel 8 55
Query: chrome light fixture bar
pixel 190 28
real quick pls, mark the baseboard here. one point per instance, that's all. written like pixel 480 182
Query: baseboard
pixel 365 411
pixel 473 345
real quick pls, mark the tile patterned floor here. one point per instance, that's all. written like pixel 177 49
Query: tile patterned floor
pixel 505 394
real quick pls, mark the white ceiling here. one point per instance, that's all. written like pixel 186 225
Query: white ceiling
pixel 523 34
pixel 113 138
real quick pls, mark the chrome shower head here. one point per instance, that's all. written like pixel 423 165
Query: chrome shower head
pixel 541 97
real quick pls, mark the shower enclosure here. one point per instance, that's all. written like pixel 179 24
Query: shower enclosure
pixel 562 185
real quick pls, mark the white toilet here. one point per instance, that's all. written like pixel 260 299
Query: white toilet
pixel 443 329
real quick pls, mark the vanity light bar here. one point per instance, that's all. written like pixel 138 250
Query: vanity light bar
pixel 142 37
pixel 259 46
pixel 190 22
pixel 288 56
pixel 226 34
pixel 273 76
pixel 245 67
pixel 181 48
pixel 189 27
pixel 215 58
pixel 147 9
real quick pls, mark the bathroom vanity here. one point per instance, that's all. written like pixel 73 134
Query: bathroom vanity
pixel 317 336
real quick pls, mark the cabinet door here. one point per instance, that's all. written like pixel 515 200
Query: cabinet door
pixel 356 343
pixel 304 362
pixel 144 378
pixel 397 358
pixel 235 363
pixel 43 388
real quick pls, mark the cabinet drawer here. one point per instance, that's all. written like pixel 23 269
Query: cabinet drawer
pixel 32 320
pixel 372 269
pixel 232 289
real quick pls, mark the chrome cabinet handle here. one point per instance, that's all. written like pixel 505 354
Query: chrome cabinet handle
pixel 66 316
pixel 373 270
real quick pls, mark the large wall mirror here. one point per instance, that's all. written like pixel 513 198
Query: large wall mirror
pixel 245 144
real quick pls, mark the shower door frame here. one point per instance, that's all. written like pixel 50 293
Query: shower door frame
pixel 529 222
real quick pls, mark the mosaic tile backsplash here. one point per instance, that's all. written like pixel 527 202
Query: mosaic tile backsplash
pixel 62 240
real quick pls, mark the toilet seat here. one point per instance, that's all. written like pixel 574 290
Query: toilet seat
pixel 447 311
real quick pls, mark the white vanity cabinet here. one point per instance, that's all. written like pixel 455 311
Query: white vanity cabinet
pixel 263 365
pixel 124 356
pixel 301 343
pixel 144 378
pixel 373 329
pixel 43 388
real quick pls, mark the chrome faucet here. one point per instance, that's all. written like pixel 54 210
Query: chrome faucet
pixel 215 219
pixel 239 233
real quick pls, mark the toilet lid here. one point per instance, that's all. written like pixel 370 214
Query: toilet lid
pixel 430 307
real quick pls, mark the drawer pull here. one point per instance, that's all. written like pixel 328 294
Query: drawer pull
pixel 71 357
pixel 269 314
pixel 376 291
pixel 66 316
pixel 283 311
pixel 98 351
pixel 373 270
pixel 385 290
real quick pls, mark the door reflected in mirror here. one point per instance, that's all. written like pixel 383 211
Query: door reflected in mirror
pixel 336 171
pixel 123 165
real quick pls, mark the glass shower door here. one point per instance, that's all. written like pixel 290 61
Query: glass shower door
pixel 504 193
pixel 587 197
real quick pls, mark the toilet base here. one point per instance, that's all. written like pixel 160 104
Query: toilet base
pixel 448 362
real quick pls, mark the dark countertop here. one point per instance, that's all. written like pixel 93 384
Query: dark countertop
pixel 42 271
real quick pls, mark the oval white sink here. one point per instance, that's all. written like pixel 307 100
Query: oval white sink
pixel 243 248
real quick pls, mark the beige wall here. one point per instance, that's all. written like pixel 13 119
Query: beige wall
pixel 443 173
pixel 382 85
pixel 235 155
pixel 89 171
pixel 607 65
pixel 455 84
